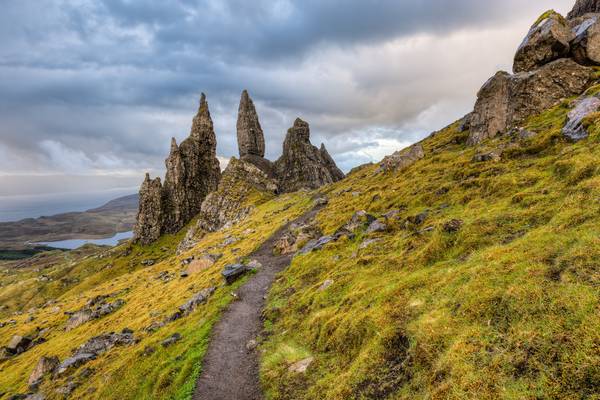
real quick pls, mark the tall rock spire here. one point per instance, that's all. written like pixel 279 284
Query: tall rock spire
pixel 193 172
pixel 251 140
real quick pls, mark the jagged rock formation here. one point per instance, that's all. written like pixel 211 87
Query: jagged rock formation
pixel 192 173
pixel 583 7
pixel 302 165
pixel 230 203
pixel 251 140
pixel 148 227
pixel 550 65
pixel 546 41
pixel 191 186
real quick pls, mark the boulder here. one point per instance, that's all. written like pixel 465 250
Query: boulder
pixel 574 129
pixel 585 46
pixel 199 298
pixel 547 40
pixel 19 344
pixel 74 362
pixel 508 100
pixel 45 366
pixel 317 244
pixel 301 366
pixel 233 272
pixel 79 318
pixel 376 226
pixel 402 159
pixel 302 165
pixel 583 7
pixel 171 340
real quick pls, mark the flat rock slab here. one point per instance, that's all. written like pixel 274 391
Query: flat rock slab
pixel 229 370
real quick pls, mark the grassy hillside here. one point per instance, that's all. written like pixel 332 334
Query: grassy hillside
pixel 504 307
pixel 484 285
pixel 151 294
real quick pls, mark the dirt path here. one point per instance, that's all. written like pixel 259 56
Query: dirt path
pixel 229 370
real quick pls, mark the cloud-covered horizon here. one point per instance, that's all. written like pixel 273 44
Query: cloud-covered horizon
pixel 97 88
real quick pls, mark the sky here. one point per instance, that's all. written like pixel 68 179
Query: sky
pixel 93 90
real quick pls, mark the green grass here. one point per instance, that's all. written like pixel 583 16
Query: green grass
pixel 505 308
pixel 125 372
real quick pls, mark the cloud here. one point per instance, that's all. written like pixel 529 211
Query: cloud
pixel 97 88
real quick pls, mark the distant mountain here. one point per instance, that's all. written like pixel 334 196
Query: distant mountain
pixel 117 215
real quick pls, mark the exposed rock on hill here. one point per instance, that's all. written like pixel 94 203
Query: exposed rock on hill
pixel 302 165
pixel 574 128
pixel 192 173
pixel 229 203
pixel 507 100
pixel 583 7
pixel 547 40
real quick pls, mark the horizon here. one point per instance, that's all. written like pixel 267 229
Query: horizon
pixel 85 91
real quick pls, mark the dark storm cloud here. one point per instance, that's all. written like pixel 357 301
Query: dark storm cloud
pixel 98 87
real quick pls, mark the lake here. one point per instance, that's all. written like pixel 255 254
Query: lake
pixel 72 244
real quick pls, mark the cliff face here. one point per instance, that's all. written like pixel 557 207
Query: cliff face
pixel 192 173
pixel 302 165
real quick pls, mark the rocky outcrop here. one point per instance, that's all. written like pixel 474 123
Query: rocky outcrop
pixel 574 129
pixel 230 203
pixel 45 366
pixel 302 165
pixel 251 140
pixel 193 172
pixel 583 7
pixel 547 40
pixel 402 159
pixel 507 100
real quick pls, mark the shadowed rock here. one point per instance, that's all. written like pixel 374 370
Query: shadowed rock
pixel 546 41
pixel 583 7
pixel 302 165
